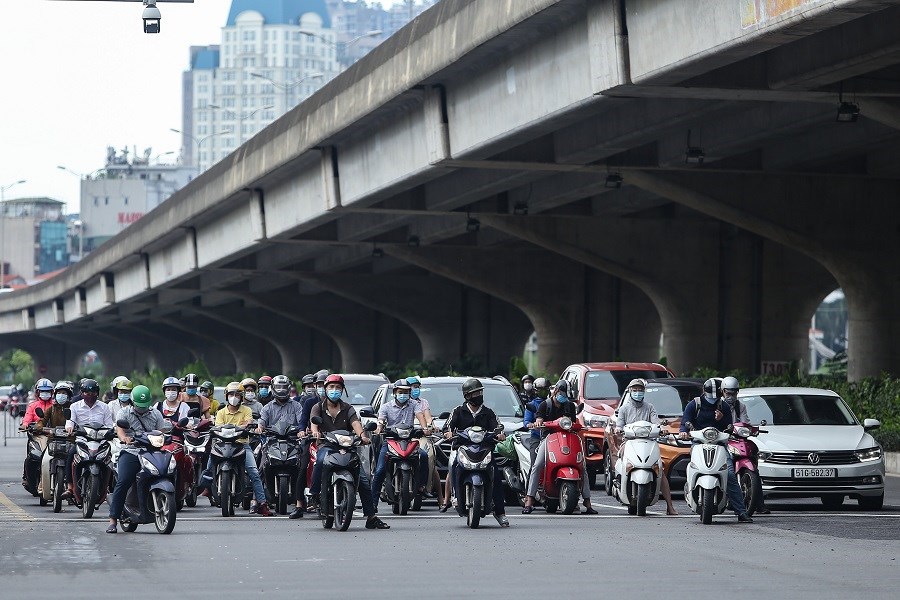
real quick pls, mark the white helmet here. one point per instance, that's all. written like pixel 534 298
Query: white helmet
pixel 730 384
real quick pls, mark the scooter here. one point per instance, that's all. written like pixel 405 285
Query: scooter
pixel 474 473
pixel 228 456
pixel 400 489
pixel 338 497
pixel 151 499
pixel 516 472
pixel 280 465
pixel 184 474
pixel 637 482
pixel 746 456
pixel 707 474
pixel 561 481
pixel 92 466
pixel 53 467
pixel 33 460
pixel 196 444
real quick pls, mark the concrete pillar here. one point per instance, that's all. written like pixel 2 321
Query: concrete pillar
pixel 243 345
pixel 219 358
pixel 847 224
pixel 262 333
pixel 171 355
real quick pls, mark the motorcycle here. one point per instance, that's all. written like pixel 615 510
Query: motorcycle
pixel 400 489
pixel 281 463
pixel 746 456
pixel 184 474
pixel 196 444
pixel 561 481
pixel 707 473
pixel 228 455
pixel 516 472
pixel 339 492
pixel 151 498
pixel 92 466
pixel 53 466
pixel 474 473
pixel 33 460
pixel 637 483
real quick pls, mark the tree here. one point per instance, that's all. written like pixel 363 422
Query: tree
pixel 17 366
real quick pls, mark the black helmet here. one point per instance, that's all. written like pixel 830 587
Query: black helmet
pixel 308 379
pixel 562 386
pixel 527 377
pixel 191 380
pixel 89 386
pixel 712 388
pixel 472 388
pixel 281 386
pixel 321 376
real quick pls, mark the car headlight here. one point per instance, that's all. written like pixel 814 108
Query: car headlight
pixel 594 420
pixel 868 454
pixel 765 455
pixel 146 464
pixel 172 464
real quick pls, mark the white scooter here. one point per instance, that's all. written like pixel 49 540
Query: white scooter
pixel 516 475
pixel 707 474
pixel 637 481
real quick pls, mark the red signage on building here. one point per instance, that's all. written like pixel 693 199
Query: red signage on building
pixel 129 218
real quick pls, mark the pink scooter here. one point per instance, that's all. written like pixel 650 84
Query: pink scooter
pixel 746 455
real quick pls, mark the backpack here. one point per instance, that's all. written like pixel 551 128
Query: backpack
pixel 719 407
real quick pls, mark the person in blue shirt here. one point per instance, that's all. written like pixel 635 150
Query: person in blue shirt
pixel 709 410
pixel 541 388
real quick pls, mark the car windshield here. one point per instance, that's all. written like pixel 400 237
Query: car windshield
pixel 798 409
pixel 444 397
pixel 361 392
pixel 666 400
pixel 611 384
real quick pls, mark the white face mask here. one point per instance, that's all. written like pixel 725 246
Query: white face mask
pixel 61 398
pixel 234 400
pixel 528 387
pixel 250 395
pixel 171 395
pixel 45 395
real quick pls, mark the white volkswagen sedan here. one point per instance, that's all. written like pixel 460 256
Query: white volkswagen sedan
pixel 815 446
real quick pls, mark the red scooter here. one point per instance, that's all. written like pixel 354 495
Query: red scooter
pixel 561 481
pixel 746 455
pixel 184 471
pixel 400 489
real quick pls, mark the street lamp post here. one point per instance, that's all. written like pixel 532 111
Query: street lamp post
pixel 199 141
pixel 241 117
pixel 287 86
pixel 339 46
pixel 3 269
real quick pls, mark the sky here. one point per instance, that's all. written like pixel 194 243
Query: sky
pixel 78 76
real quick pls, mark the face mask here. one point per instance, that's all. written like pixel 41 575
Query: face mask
pixel 476 401
pixel 320 391
pixel 234 400
pixel 124 397
pixel 171 395
pixel 191 391
pixel 45 395
pixel 415 393
pixel 309 390
pixel 264 393
pixel 708 400
pixel 61 398
pixel 141 410
pixel 528 387
pixel 637 396
pixel 402 398
pixel 562 398
pixel 90 401
pixel 249 396
pixel 334 395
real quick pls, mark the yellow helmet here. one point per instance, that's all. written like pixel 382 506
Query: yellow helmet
pixel 249 382
pixel 234 387
pixel 121 383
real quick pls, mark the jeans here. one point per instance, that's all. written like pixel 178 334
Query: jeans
pixel 537 469
pixel 259 493
pixel 381 471
pixel 364 488
pixel 734 492
pixel 127 471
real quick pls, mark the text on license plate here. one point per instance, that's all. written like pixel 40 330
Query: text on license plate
pixel 814 472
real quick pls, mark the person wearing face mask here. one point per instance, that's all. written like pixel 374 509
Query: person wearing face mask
pixel 710 411
pixel 556 406
pixel 43 399
pixel 282 411
pixel 633 408
pixel 527 393
pixel 264 392
pixel 730 389
pixel 84 412
pixel 415 394
pixel 401 410
pixel 338 415
pixel 193 396
pixel 313 393
pixel 172 408
pixel 140 419
pixel 121 388
pixel 250 400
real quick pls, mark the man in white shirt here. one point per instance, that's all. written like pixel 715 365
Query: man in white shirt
pixel 86 411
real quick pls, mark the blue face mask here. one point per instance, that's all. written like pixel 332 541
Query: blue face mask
pixel 124 397
pixel 334 395
pixel 711 401
pixel 320 391
pixel 637 396
pixel 562 398
pixel 402 398
pixel 192 391
pixel 415 393
pixel 264 393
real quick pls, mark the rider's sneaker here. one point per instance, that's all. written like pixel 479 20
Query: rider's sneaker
pixel 376 523
pixel 504 522
pixel 253 508
pixel 263 510
pixel 297 513
pixel 744 518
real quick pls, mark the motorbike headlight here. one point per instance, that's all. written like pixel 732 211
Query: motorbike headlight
pixel 710 434
pixel 565 423
pixel 641 432
pixel 476 437
pixel 472 465
pixel 743 432
pixel 82 451
pixel 156 440
pixel 103 453
pixel 172 464
pixel 146 464
pixel 868 454
pixel 734 450
pixel 593 420
pixel 344 440
pixel 404 434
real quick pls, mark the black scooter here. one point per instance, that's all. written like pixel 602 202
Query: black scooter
pixel 474 474
pixel 151 498
pixel 33 460
pixel 229 483
pixel 281 463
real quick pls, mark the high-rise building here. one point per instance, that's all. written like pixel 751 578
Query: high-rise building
pixel 34 239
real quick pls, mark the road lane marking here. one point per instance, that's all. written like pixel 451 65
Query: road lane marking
pixel 13 510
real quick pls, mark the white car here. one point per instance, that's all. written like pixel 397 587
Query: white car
pixel 815 446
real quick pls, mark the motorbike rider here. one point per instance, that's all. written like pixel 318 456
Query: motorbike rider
pixel 141 419
pixel 533 440
pixel 338 415
pixel 172 408
pixel 632 409
pixel 43 399
pixel 192 396
pixel 401 411
pixel 121 388
pixel 206 389
pixel 730 389
pixel 527 393
pixel 284 411
pixel 264 393
pixel 250 401
pixel 237 414
pixel 709 410
pixel 470 413
pixel 554 407
pixel 313 397
pixel 84 412
pixel 415 394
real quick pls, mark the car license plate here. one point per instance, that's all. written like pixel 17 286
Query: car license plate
pixel 814 472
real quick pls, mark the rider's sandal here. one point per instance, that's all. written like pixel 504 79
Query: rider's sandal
pixel 112 529
pixel 528 510
pixel 376 523
pixel 443 507
pixel 504 522
pixel 589 510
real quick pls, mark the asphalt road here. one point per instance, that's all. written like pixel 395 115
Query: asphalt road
pixel 800 551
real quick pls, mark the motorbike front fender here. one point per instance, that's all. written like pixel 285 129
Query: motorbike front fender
pixel 707 482
pixel 345 475
pixel 164 485
pixel 95 469
pixel 405 466
pixel 474 479
pixel 641 476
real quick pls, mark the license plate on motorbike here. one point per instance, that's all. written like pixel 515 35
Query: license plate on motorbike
pixel 818 472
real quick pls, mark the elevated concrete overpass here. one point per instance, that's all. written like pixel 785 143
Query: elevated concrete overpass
pixel 475 159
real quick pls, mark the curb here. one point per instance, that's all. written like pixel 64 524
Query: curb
pixel 892 463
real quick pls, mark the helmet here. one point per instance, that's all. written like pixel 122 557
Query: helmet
pixel 471 388
pixel 234 387
pixel 335 379
pixel 265 380
pixel 730 384
pixel 712 388
pixel 171 382
pixel 562 386
pixel 89 386
pixel 206 385
pixel 248 383
pixel 321 375
pixel 281 386
pixel 527 377
pixel 639 381
pixel 308 379
pixel 413 380
pixel 541 383
pixel 115 383
pixel 65 386
pixel 401 384
pixel 43 385
pixel 191 380
pixel 141 396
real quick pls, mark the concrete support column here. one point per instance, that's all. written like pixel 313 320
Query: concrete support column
pixel 243 345
pixel 219 358
pixel 265 335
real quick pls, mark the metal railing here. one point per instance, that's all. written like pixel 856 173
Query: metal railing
pixel 11 426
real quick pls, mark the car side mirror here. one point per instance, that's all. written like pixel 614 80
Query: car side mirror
pixel 444 415
pixel 870 424
pixel 39 412
pixel 367 412
pixel 123 423
pixel 371 426
pixel 316 420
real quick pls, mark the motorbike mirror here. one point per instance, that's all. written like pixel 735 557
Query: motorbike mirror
pixel 367 412
pixel 123 423
pixel 183 422
pixel 67 414
pixel 370 426
pixel 39 412
pixel 763 423
pixel 579 409
pixel 195 412
pixel 316 420
pixel 444 415
pixel 109 435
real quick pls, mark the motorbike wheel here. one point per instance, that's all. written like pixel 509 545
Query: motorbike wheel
pixel 475 501
pixel 607 474
pixel 406 491
pixel 751 487
pixel 642 499
pixel 283 487
pixel 59 485
pixel 164 510
pixel 90 495
pixel 191 497
pixel 395 493
pixel 344 503
pixel 128 526
pixel 707 506
pixel 225 493
pixel 568 497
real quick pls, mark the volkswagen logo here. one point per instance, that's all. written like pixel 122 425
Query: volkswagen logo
pixel 813 458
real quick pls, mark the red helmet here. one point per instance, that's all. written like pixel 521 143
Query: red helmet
pixel 264 380
pixel 334 379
